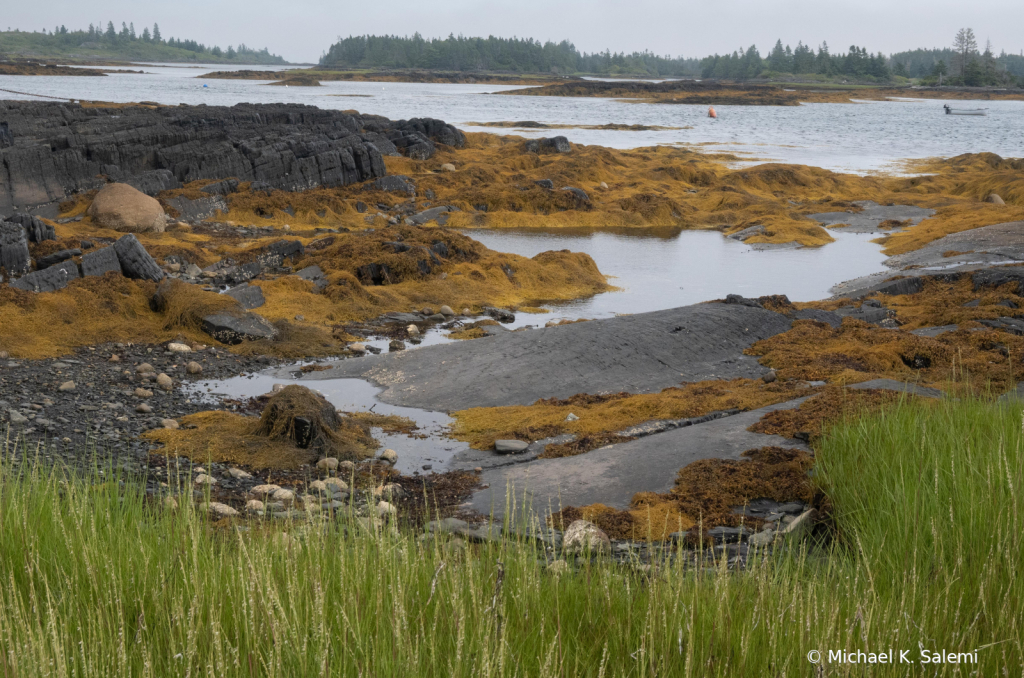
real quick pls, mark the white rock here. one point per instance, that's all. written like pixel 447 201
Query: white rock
pixel 145 368
pixel 254 506
pixel 16 417
pixel 283 495
pixel 390 456
pixel 203 479
pixel 412 330
pixel 277 387
pixel 448 167
pixel 175 347
pixel 193 367
pixel 510 446
pixel 384 509
pixel 571 417
pixel 164 382
pixel 238 473
pixel 221 510
pixel 143 408
pixel 169 423
pixel 357 347
pixel 346 468
pixel 763 538
pixel 336 484
pixel 583 536
pixel 327 464
pixel 446 310
pixel 318 486
pixel 604 185
pixel 264 490
pixel 143 393
pixel 67 386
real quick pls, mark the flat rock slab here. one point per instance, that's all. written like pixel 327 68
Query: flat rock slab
pixel 983 248
pixel 933 332
pixel 248 296
pixel 871 215
pixel 901 386
pixel 637 353
pixel 612 475
pixel 100 261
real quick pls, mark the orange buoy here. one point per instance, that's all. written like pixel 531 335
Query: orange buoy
pixel 711 112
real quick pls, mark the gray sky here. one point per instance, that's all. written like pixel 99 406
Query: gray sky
pixel 300 30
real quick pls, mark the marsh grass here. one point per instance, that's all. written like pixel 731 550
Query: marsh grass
pixel 98 580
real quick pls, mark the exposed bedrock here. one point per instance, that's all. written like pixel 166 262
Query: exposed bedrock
pixel 55 149
pixel 638 353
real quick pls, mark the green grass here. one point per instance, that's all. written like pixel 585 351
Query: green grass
pixel 96 581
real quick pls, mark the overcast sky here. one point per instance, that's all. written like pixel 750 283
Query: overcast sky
pixel 300 30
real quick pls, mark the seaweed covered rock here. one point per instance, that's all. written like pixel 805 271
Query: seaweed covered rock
pixel 123 208
pixel 234 327
pixel 310 422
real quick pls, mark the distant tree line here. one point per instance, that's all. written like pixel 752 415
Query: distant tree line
pixel 745 64
pixel 113 38
pixel 961 64
pixel 495 54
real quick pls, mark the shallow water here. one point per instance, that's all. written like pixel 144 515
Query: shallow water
pixel 655 273
pixel 859 138
pixel 356 395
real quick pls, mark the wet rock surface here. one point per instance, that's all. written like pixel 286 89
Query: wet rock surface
pixel 871 216
pixel 638 353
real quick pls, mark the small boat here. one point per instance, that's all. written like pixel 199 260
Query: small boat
pixel 965 111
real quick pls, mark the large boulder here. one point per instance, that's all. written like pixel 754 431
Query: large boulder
pixel 35 229
pixel 124 208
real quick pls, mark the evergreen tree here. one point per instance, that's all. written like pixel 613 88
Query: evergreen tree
pixel 965 45
pixel 156 34
pixel 111 33
pixel 145 35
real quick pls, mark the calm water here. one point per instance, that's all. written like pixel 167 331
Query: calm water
pixel 861 138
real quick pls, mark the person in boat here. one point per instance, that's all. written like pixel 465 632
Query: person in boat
pixel 947 108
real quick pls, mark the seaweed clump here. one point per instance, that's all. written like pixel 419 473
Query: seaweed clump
pixel 297 427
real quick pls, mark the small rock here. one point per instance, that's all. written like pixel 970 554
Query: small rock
pixel 583 536
pixel 396 345
pixel 145 368
pixel 799 527
pixel 390 491
pixel 67 386
pixel 254 506
pixel 769 377
pixel 221 510
pixel 174 268
pixel 4 355
pixel 510 446
pixel 327 464
pixel 164 382
pixel 283 495
pixel 203 479
pixel 16 418
pixel 995 199
pixel 426 310
pixel 390 456
pixel 335 484
pixel 762 538
pixel 357 347
pixel 143 393
pixel 318 486
pixel 238 473
pixel 264 490
pixel 466 311
pixel 114 358
pixel 169 423
pixel 143 408
pixel 175 347
pixel 346 467
pixel 384 509
pixel 193 367
pixel 286 227
pixel 412 330
pixel 446 310
pixel 300 317
pixel 448 167
pixel 571 417
pixel 604 186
